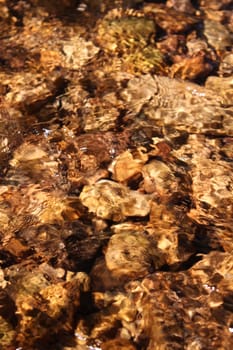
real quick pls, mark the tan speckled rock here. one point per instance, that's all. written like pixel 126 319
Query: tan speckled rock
pixel 126 165
pixel 111 200
pixel 132 255
pixel 195 109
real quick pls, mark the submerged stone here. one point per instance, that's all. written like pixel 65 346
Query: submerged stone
pixel 113 201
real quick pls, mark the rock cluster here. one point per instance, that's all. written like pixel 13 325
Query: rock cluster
pixel 116 150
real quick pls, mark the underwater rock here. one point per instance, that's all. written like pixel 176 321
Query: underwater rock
pixel 191 68
pixel 226 64
pixel 170 19
pixel 157 177
pixel 127 165
pixel 44 304
pixel 132 255
pixel 131 39
pixel 215 4
pixel 10 134
pixel 217 35
pixel 181 5
pixel 223 86
pixel 113 201
pixel 194 110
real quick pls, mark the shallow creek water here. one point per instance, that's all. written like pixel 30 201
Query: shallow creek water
pixel 116 185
